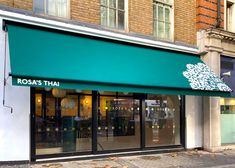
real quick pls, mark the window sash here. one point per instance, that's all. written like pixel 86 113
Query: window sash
pixel 116 21
pixel 230 16
pixel 59 8
pixel 164 2
pixel 162 26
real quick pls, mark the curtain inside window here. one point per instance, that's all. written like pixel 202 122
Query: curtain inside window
pixel 62 8
pixel 39 6
pixel 57 8
pixel 51 7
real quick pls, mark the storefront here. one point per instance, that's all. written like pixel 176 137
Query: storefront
pixel 64 122
pixel 93 95
pixel 228 104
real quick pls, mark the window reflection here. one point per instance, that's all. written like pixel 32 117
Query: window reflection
pixel 58 8
pixel 162 120
pixel 63 124
pixel 64 120
pixel 227 105
pixel 118 123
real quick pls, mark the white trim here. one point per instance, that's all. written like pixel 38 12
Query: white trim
pixel 229 26
pixel 173 22
pixel 69 9
pixel 225 14
pixel 126 17
pixel 93 32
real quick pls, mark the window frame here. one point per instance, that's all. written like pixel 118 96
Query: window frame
pixel 45 7
pixel 226 26
pixel 165 5
pixel 125 10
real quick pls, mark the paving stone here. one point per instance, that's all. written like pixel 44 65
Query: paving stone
pixel 187 159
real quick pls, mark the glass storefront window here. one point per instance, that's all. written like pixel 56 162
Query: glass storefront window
pixel 227 105
pixel 63 123
pixel 118 123
pixel 162 120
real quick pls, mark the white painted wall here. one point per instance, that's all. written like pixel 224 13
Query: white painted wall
pixel 194 121
pixel 14 127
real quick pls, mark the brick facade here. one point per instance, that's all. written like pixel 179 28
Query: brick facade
pixel 207 14
pixel 141 16
pixel 86 11
pixel 7 2
pixel 21 4
pixel 185 21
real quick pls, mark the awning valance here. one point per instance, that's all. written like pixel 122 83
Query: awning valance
pixel 43 57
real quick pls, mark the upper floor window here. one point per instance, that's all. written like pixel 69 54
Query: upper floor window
pixel 230 15
pixel 162 19
pixel 58 8
pixel 113 13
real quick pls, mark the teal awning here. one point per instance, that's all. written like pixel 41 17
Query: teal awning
pixel 47 58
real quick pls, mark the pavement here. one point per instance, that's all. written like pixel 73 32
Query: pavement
pixel 185 159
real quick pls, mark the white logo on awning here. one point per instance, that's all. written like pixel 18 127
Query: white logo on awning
pixel 200 77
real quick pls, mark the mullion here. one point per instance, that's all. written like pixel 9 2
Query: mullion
pixel 56 7
pixel 116 19
pixel 45 7
pixel 108 14
pixel 94 121
pixel 157 19
pixel 164 21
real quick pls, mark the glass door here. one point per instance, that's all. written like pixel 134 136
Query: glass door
pixel 162 120
pixel 118 123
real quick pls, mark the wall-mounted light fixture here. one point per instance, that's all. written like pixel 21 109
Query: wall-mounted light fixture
pixel 225 74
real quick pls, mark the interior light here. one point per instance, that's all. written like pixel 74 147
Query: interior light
pixel 78 90
pixel 47 89
pixel 86 101
pixel 58 93
pixel 39 100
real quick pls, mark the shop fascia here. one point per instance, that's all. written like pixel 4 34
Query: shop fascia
pixel 37 83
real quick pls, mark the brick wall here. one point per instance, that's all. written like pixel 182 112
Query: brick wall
pixel 207 14
pixel 141 16
pixel 7 2
pixel 24 4
pixel 21 4
pixel 185 21
pixel 86 11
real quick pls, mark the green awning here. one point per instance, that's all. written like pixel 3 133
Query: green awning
pixel 43 57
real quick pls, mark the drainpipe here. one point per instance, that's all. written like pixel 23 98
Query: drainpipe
pixel 218 19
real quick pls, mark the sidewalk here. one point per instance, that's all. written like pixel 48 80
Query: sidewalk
pixel 187 159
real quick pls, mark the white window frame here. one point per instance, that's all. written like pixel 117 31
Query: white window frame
pixel 45 9
pixel 116 9
pixel 170 6
pixel 226 27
